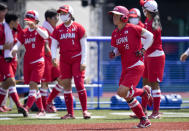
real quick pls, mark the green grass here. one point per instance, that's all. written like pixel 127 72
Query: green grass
pixel 78 113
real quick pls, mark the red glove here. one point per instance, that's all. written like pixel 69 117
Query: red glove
pixel 141 52
pixel 111 55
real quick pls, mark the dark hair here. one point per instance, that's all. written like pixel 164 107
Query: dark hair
pixel 50 13
pixel 156 20
pixel 11 17
pixel 3 7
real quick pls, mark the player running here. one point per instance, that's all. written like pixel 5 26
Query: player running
pixel 33 38
pixel 71 38
pixel 126 39
pixel 155 58
pixel 51 72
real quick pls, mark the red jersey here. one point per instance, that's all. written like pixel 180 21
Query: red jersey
pixel 34 44
pixel 69 38
pixel 157 43
pixel 128 41
pixel 140 24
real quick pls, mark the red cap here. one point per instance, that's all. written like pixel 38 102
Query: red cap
pixel 66 9
pixel 31 15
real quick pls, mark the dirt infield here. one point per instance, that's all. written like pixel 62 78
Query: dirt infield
pixel 156 126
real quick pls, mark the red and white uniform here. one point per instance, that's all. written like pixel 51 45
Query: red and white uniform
pixel 128 41
pixel 6 69
pixel 70 49
pixel 34 56
pixel 155 58
pixel 140 24
pixel 51 72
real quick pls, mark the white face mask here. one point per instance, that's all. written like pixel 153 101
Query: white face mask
pixel 134 20
pixel 65 18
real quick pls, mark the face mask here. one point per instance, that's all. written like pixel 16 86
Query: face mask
pixel 65 18
pixel 134 20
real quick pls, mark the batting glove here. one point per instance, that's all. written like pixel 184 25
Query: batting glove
pixel 111 55
pixel 141 52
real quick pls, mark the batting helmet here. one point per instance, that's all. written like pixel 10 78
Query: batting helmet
pixel 31 15
pixel 66 8
pixel 121 10
pixel 150 5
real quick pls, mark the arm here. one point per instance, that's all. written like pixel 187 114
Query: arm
pixel 53 51
pixel 184 56
pixel 147 42
pixel 43 33
pixel 83 42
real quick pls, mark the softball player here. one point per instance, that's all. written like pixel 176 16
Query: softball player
pixel 155 58
pixel 71 38
pixel 135 17
pixel 126 39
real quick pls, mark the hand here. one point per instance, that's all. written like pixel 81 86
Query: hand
pixel 7 46
pixel 183 57
pixel 14 52
pixel 82 67
pixel 54 62
pixel 111 55
pixel 141 52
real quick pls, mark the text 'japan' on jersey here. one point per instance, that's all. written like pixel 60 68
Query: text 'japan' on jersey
pixel 128 41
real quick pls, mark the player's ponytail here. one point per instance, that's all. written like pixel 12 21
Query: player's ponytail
pixel 156 24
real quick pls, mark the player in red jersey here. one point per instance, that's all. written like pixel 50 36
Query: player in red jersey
pixel 126 39
pixel 71 38
pixel 51 71
pixel 7 70
pixel 135 17
pixel 155 58
pixel 33 38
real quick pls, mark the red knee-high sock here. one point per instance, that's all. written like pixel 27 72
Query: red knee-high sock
pixel 56 90
pixel 14 95
pixel 31 98
pixel 138 92
pixel 3 93
pixel 136 108
pixel 83 99
pixel 156 94
pixel 44 95
pixel 39 102
pixel 69 101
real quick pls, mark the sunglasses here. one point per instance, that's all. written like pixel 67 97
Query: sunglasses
pixel 30 16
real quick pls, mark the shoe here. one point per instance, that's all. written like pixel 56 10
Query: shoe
pixel 144 123
pixel 23 110
pixel 41 113
pixel 50 108
pixel 148 94
pixel 155 115
pixel 6 108
pixel 2 110
pixel 68 116
pixel 86 115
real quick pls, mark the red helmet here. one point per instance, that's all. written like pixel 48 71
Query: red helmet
pixel 121 10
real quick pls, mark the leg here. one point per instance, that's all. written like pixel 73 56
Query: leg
pixel 44 93
pixel 66 83
pixel 156 94
pixel 79 83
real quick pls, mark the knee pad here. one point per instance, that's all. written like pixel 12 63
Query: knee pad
pixel 130 93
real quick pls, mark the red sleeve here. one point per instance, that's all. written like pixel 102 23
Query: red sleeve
pixel 113 40
pixel 138 30
pixel 55 34
pixel 81 31
pixel 20 36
